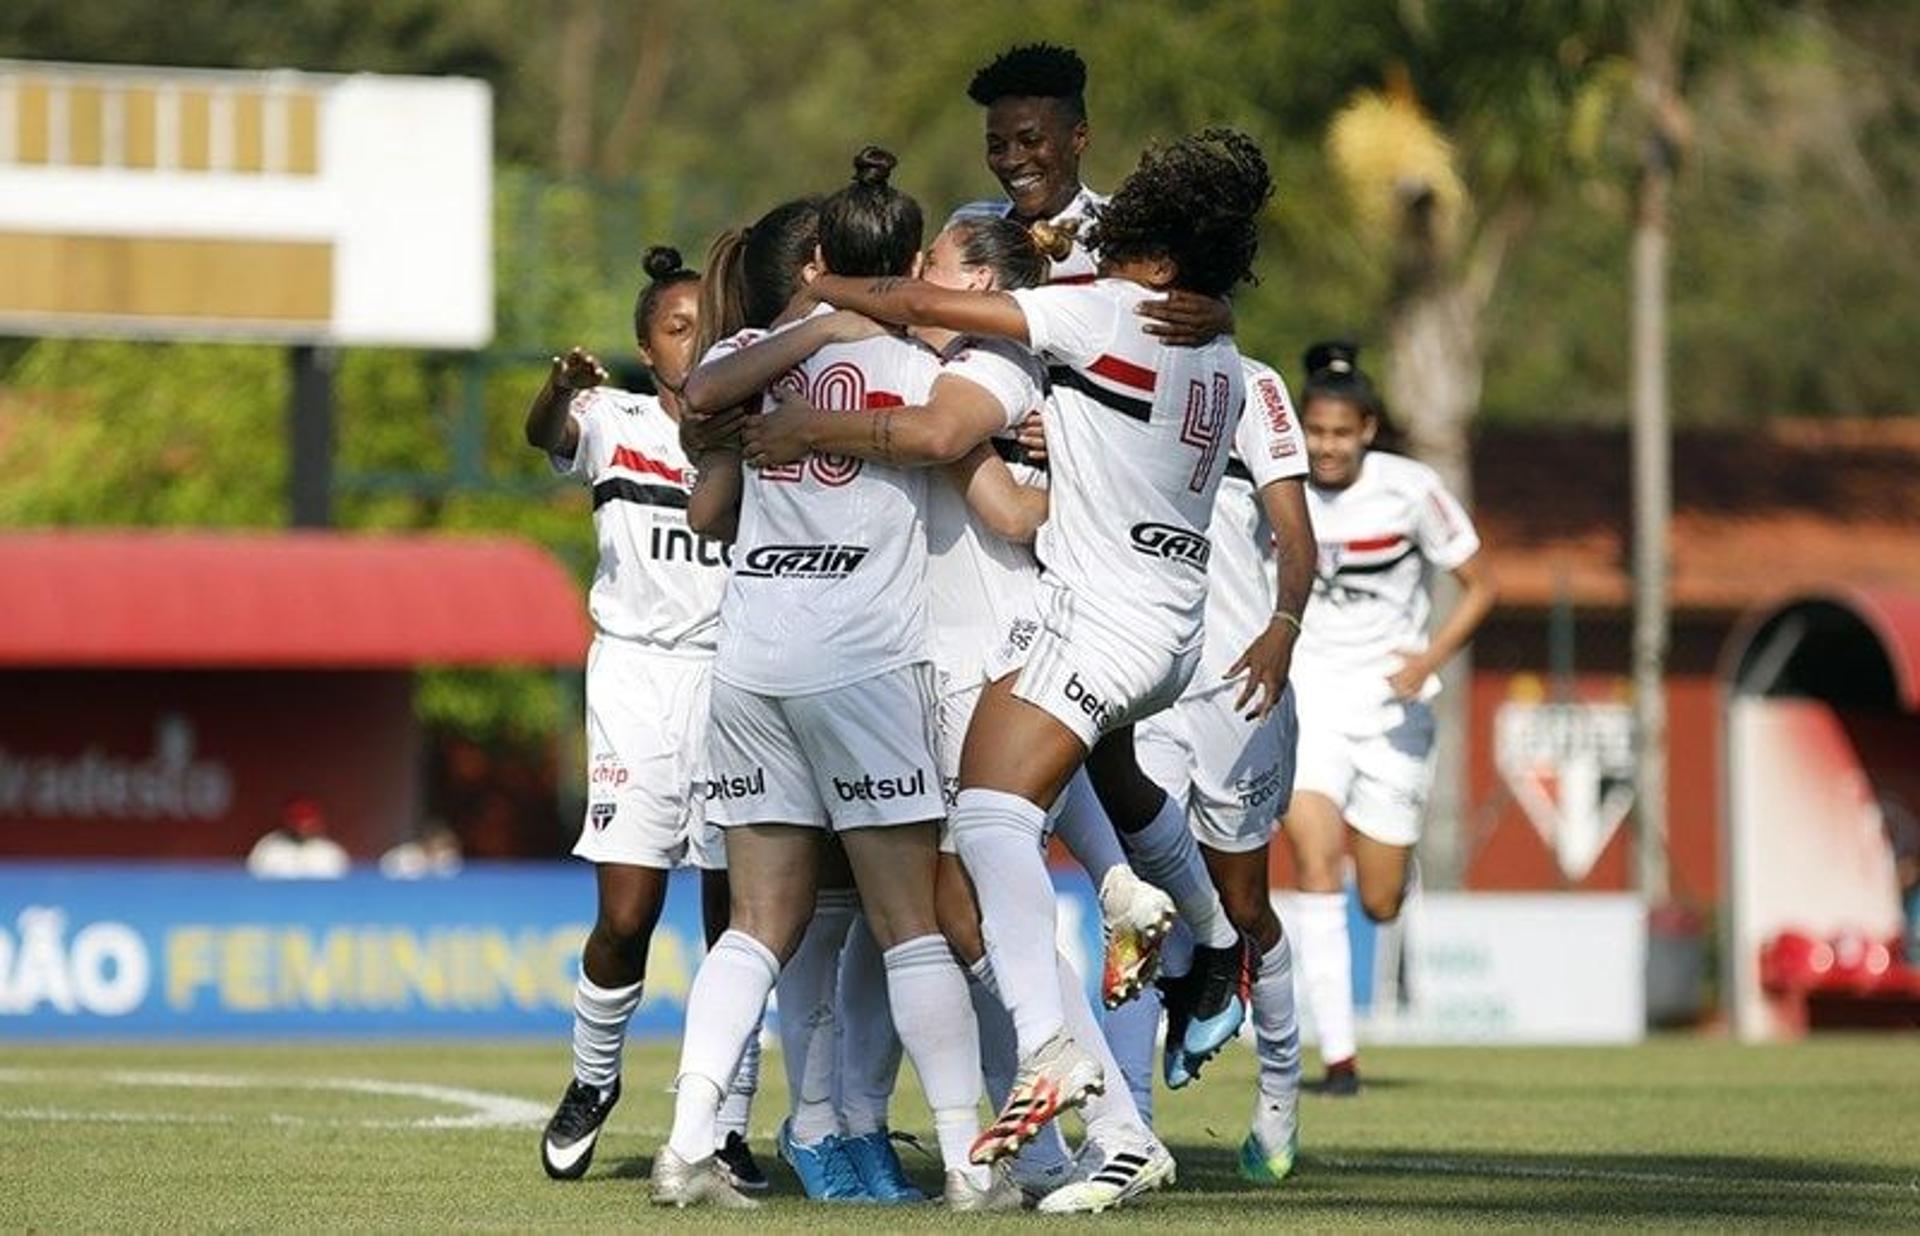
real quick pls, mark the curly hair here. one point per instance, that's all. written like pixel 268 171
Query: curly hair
pixel 1197 202
pixel 1034 71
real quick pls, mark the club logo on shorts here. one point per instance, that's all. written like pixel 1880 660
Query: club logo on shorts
pixel 1078 693
pixel 803 561
pixel 872 789
pixel 1167 541
pixel 601 814
pixel 752 785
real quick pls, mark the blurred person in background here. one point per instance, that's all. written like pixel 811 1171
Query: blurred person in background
pixel 656 611
pixel 435 852
pixel 1364 672
pixel 299 849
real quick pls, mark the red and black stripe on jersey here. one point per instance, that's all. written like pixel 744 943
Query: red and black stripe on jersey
pixel 1112 383
pixel 1374 554
pixel 645 492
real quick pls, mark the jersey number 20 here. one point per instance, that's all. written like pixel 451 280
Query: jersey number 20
pixel 839 387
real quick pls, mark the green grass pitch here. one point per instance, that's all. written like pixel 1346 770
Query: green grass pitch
pixel 324 1136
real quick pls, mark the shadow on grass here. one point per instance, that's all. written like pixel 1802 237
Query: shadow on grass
pixel 1572 1188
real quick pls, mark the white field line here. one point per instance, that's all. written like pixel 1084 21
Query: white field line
pixel 480 1109
pixel 1521 1171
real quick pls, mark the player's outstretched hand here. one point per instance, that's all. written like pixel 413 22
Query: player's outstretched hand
pixel 1187 319
pixel 578 370
pixel 780 436
pixel 1266 663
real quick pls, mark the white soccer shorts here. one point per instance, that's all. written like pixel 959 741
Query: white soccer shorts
pixel 646 749
pixel 1088 674
pixel 1234 775
pixel 1380 782
pixel 857 756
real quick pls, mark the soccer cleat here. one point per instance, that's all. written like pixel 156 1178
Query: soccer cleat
pixel 1221 988
pixel 1058 1077
pixel 1135 918
pixel 1127 1172
pixel 1342 1080
pixel 566 1147
pixel 742 1168
pixel 681 1184
pixel 963 1196
pixel 1260 1165
pixel 1176 996
pixel 879 1169
pixel 825 1171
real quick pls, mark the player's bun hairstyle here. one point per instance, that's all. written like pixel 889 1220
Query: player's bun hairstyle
pixel 1054 239
pixel 869 227
pixel 1333 372
pixel 664 270
pixel 1196 202
pixel 752 272
pixel 1034 71
pixel 1002 246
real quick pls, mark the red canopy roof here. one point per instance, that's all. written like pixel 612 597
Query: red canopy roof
pixel 299 600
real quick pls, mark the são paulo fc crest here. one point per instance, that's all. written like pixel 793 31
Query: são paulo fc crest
pixel 601 814
pixel 1570 767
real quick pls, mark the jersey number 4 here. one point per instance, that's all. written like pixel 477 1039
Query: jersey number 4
pixel 840 387
pixel 1206 426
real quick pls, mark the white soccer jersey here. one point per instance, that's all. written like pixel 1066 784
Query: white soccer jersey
pixel 656 582
pixel 1267 447
pixel 829 565
pixel 978 582
pixel 1137 439
pixel 1380 537
pixel 1082 265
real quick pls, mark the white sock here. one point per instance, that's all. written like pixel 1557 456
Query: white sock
pixel 1276 1029
pixel 1167 857
pixel 869 1050
pixel 999 1060
pixel 1326 971
pixel 1110 1115
pixel 736 1110
pixel 807 1031
pixel 600 1016
pixel 998 836
pixel 929 995
pixel 725 1003
pixel 1132 1032
pixel 1083 827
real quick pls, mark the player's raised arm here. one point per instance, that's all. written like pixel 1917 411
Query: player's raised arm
pixel 741 374
pixel 913 302
pixel 550 425
pixel 958 416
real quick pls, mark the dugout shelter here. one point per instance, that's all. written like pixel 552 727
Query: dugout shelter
pixel 166 692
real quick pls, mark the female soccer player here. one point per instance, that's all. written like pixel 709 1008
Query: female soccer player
pixel 1137 435
pixel 655 605
pixel 1234 772
pixel 822 719
pixel 1365 671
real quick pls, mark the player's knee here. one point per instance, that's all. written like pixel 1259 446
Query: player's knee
pixel 1382 907
pixel 625 929
pixel 1250 911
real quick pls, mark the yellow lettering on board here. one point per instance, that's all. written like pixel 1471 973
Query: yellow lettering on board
pixel 315 978
pixel 189 964
pixel 244 984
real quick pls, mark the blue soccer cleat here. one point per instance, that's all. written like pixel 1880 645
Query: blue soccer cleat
pixel 879 1169
pixel 825 1170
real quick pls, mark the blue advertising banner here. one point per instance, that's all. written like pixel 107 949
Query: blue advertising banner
pixel 103 950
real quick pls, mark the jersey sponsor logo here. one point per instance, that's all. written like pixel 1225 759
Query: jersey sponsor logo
pixel 1260 789
pixel 1082 697
pixel 872 789
pixel 803 561
pixel 1170 542
pixel 681 545
pixel 752 785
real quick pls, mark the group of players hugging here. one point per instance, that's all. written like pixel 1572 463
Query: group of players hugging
pixel 926 554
